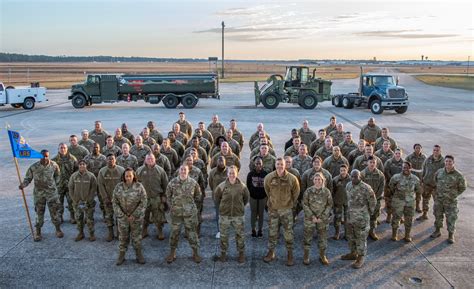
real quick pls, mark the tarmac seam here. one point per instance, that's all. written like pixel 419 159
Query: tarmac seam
pixel 21 241
pixel 442 275
pixel 33 110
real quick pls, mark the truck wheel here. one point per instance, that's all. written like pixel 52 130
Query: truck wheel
pixel 170 101
pixel 401 109
pixel 376 107
pixel 347 103
pixel 10 87
pixel 78 101
pixel 308 101
pixel 16 105
pixel 270 100
pixel 29 103
pixel 189 100
pixel 337 101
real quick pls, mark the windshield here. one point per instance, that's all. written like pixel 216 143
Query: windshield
pixel 382 80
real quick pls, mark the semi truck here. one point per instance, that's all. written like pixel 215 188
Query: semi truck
pixel 25 97
pixel 171 89
pixel 378 92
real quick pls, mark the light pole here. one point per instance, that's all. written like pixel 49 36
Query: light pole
pixel 222 72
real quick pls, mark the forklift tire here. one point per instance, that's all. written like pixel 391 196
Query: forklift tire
pixel 270 100
pixel 308 101
pixel 347 103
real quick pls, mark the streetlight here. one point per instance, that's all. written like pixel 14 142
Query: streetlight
pixel 222 72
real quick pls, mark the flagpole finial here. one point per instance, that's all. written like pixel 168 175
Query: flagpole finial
pixel 7 125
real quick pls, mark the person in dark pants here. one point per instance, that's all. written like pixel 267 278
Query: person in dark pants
pixel 258 197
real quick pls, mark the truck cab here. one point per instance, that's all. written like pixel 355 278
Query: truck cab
pixel 382 92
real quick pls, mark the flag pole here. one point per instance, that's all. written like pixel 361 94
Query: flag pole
pixel 23 195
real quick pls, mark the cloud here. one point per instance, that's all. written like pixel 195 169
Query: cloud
pixel 404 34
pixel 235 30
pixel 259 38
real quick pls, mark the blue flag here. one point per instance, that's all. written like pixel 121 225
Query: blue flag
pixel 20 148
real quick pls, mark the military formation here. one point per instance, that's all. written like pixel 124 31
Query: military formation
pixel 322 178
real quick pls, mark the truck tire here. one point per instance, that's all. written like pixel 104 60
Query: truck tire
pixel 189 100
pixel 308 101
pixel 337 101
pixel 171 100
pixel 16 105
pixel 270 100
pixel 347 103
pixel 29 103
pixel 78 101
pixel 376 107
pixel 401 109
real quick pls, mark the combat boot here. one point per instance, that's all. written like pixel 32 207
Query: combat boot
pixel 389 218
pixel 394 234
pixel 350 256
pixel 171 257
pixel 322 257
pixel 92 236
pixel 241 257
pixel 38 236
pixel 198 230
pixel 139 254
pixel 270 256
pixel 358 263
pixel 423 217
pixel 161 235
pixel 223 257
pixel 306 260
pixel 451 238
pixel 61 219
pixel 79 236
pixel 59 233
pixel 72 219
pixel 436 233
pixel 290 261
pixel 407 238
pixel 110 235
pixel 373 235
pixel 121 258
pixel 337 233
pixel 145 231
pixel 418 207
pixel 196 256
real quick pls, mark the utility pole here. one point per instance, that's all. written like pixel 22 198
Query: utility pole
pixel 222 72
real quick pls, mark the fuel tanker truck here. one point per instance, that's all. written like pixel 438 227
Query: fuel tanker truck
pixel 171 89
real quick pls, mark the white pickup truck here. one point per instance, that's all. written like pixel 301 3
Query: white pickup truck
pixel 25 97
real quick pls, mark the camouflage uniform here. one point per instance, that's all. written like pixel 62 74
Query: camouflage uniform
pixel 360 163
pixel 361 203
pixel 324 153
pixel 128 135
pixel 231 199
pixel 337 137
pixel 107 180
pixel 282 193
pixel 94 164
pixel 129 201
pixel 256 151
pixel 379 143
pixel 370 133
pixel 184 197
pixel 182 139
pixel 196 174
pixel 88 144
pixel 216 176
pixel 430 167
pixel 115 150
pixel 448 187
pixel 140 153
pixel 302 164
pixel 347 148
pixel 333 165
pixel 417 164
pixel 204 143
pixel 216 129
pixel 354 154
pixel 404 189
pixel 82 190
pixel 99 137
pixel 330 128
pixel 129 161
pixel 120 141
pixel 340 201
pixel 179 148
pixel 155 181
pixel 185 127
pixel 172 157
pixel 79 151
pixel 316 203
pixel 255 136
pixel 315 146
pixel 292 151
pixel 234 146
pixel 376 180
pixel 149 141
pixel 156 135
pixel 230 159
pixel 238 137
pixel 164 163
pixel 208 136
pixel 202 154
pixel 45 192
pixel 307 136
pixel 391 168
pixel 307 179
pixel 268 162
pixel 384 155
pixel 67 166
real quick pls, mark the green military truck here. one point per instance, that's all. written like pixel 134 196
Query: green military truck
pixel 171 89
pixel 298 87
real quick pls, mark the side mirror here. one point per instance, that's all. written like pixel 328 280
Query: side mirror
pixel 398 80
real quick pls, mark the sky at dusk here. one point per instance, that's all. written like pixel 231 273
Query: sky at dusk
pixel 338 29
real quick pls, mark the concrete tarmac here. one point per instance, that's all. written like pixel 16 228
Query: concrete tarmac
pixel 436 116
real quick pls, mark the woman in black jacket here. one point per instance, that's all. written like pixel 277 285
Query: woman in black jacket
pixel 258 197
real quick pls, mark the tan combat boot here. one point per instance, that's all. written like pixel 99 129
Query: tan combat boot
pixel 451 238
pixel 436 233
pixel 423 217
pixel 290 261
pixel 38 236
pixel 358 263
pixel 79 236
pixel 373 235
pixel 139 254
pixel 322 257
pixel 394 234
pixel 270 256
pixel 59 233
pixel 121 258
pixel 92 236
pixel 72 218
pixel 337 233
pixel 223 257
pixel 110 235
pixel 161 235
pixel 145 231
pixel 350 256
pixel 172 256
pixel 407 238
pixel 241 257
pixel 388 220
pixel 418 207
pixel 196 256
pixel 306 260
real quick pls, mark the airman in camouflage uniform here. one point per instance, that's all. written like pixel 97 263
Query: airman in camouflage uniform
pixel 376 180
pixel 67 166
pixel 126 159
pixel 256 150
pixel 119 139
pixel 354 154
pixel 361 202
pixel 215 127
pixel 96 161
pixel 99 135
pixel 392 167
pixel 176 145
pixel 230 157
pixel 127 134
pixel 86 141
pixel 129 203
pixel 338 135
pixel 302 162
pixel 216 176
pixel 370 132
pixel 234 145
pixel 404 187
pixel 77 150
pixel 307 177
pixel 450 183
pixel 317 143
pixel 232 196
pixel 431 165
pixel 147 139
pixel 282 190
pixel 237 134
pixel 140 150
pixel 317 205
pixel 202 154
pixel 293 150
pixel 417 158
pixel 325 151
pixel 179 135
pixel 385 153
pixel 45 174
pixel 186 126
pixel 334 162
pixel 307 135
pixel 198 163
pixel 154 133
pixel 161 160
pixel 82 190
pixel 256 135
pixel 203 142
pixel 184 197
pixel 109 177
pixel 110 147
pixel 339 184
pixel 332 125
pixel 360 162
pixel 170 154
pixel 205 133
pixel 155 181
pixel 379 142
pixel 347 145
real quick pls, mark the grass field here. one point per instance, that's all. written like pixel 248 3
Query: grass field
pixel 426 69
pixel 63 75
pixel 451 81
